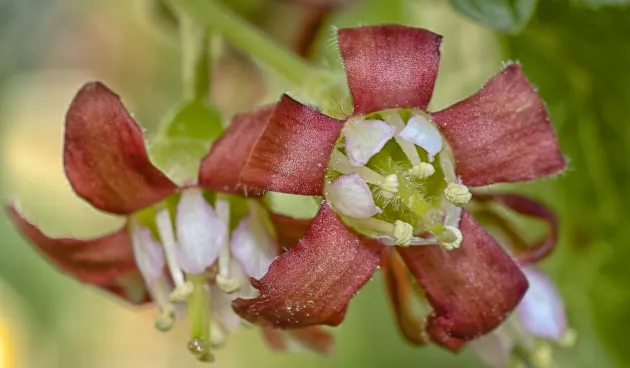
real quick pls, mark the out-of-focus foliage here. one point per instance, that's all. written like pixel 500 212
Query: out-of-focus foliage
pixel 506 16
pixel 578 57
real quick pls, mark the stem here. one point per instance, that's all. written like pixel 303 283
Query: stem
pixel 222 21
pixel 199 315
pixel 195 43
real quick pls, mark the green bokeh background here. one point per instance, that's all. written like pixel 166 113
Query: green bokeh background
pixel 576 53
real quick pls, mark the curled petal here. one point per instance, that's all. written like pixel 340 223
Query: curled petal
pixel 253 246
pixel 502 133
pixel 542 310
pixel 406 302
pixel 105 157
pixel 423 133
pixel 365 138
pixel 292 154
pixel 147 253
pixel 350 195
pixel 312 283
pixel 222 167
pixel 289 230
pixel 493 350
pixel 390 66
pixel 222 309
pixel 106 262
pixel 200 232
pixel 472 289
pixel 311 338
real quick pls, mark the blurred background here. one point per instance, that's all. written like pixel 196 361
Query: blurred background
pixel 576 52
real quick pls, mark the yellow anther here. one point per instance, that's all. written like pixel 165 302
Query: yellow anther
pixel 181 292
pixel 390 184
pixel 568 339
pixel 541 356
pixel 403 232
pixel 457 193
pixel 451 238
pixel 422 170
pixel 227 284
pixel 166 319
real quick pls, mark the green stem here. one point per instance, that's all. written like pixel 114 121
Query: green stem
pixel 241 34
pixel 199 315
pixel 195 43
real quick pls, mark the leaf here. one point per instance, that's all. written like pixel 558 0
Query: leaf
pixel 600 3
pixel 185 138
pixel 505 16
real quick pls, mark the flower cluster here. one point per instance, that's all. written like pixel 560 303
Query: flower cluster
pixel 398 186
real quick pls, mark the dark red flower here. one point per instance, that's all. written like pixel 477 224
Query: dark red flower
pixel 395 173
pixel 172 234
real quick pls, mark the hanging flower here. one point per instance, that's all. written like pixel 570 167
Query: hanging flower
pixel 394 175
pixel 182 247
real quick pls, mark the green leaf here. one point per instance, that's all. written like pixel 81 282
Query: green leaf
pixel 185 139
pixel 506 16
pixel 600 3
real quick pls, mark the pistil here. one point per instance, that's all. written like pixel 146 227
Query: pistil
pixel 199 315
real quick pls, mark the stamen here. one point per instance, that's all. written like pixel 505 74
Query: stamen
pixel 199 314
pixel 457 193
pixel 341 163
pixel 422 170
pixel 403 232
pixel 393 118
pixel 541 357
pixel 159 291
pixel 451 238
pixel 390 184
pixel 568 339
pixel 223 279
pixel 165 229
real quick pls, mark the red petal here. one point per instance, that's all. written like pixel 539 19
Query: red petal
pixel 312 338
pixel 529 207
pixel 472 289
pixel 312 283
pixel 222 167
pixel 390 66
pixel 292 154
pixel 502 133
pixel 289 230
pixel 401 294
pixel 105 262
pixel 105 157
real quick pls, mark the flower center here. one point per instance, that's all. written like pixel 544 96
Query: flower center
pixel 391 176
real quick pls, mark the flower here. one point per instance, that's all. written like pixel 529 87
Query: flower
pixel 176 248
pixel 526 338
pixel 393 174
pixel 407 298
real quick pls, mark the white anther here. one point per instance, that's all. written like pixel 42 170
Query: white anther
pixel 390 184
pixel 422 171
pixel 457 193
pixel 451 238
pixel 227 284
pixel 166 319
pixel 403 232
pixel 181 292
